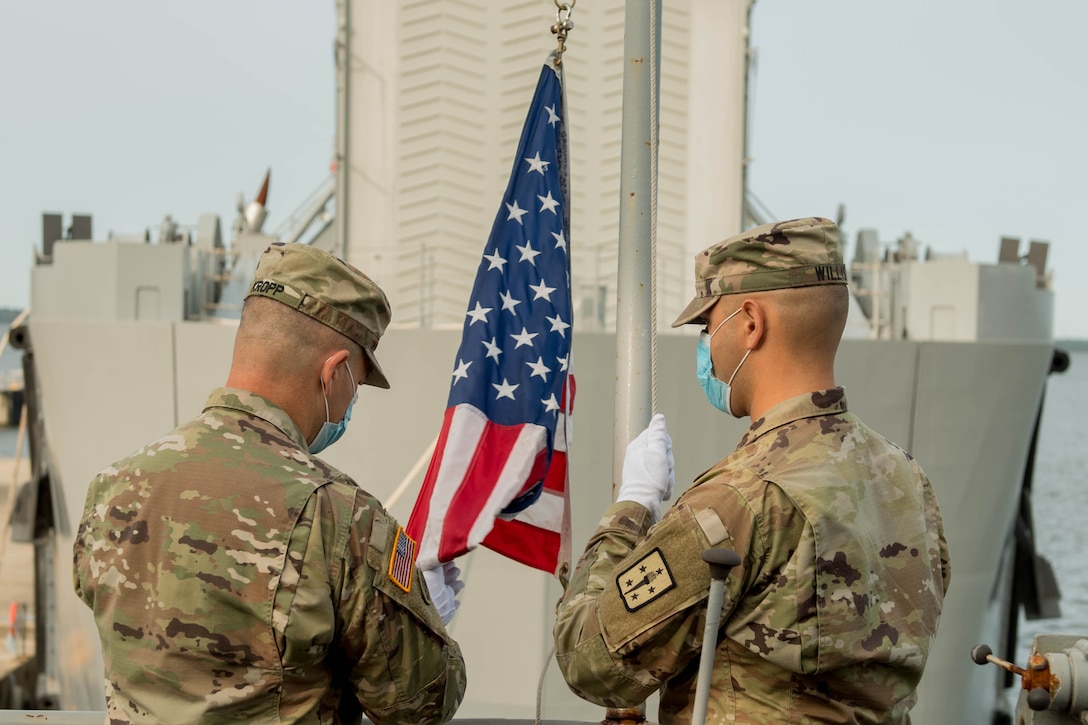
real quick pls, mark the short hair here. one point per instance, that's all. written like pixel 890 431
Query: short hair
pixel 329 290
pixel 781 255
pixel 812 318
pixel 288 339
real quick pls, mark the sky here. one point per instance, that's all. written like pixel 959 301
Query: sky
pixel 957 120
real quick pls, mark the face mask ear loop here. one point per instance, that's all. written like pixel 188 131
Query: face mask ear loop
pixel 727 319
pixel 738 366
pixel 710 338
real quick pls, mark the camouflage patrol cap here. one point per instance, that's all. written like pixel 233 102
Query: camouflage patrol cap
pixel 794 253
pixel 330 291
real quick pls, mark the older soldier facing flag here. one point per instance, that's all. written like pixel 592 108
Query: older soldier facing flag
pixel 832 611
pixel 234 575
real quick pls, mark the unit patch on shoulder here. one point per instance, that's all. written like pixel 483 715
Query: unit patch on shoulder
pixel 402 562
pixel 644 582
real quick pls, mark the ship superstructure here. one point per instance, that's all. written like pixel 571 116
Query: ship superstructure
pixel 946 356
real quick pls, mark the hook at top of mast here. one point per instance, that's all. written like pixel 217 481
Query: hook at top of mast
pixel 563 25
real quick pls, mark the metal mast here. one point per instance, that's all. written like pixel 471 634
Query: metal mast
pixel 634 283
pixel 343 126
pixel 634 293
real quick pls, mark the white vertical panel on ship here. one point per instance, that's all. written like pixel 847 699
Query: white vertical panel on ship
pixel 438 91
pixel 373 60
pixel 718 60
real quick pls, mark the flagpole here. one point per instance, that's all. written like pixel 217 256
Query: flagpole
pixel 561 29
pixel 343 124
pixel 634 287
pixel 634 332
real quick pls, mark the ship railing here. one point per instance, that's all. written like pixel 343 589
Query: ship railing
pixel 874 285
pixel 313 206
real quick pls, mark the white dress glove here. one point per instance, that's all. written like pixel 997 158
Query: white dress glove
pixel 648 474
pixel 444 584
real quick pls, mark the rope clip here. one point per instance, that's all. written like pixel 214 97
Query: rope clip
pixel 563 25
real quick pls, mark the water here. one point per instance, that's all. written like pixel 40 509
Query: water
pixel 1060 501
pixel 10 361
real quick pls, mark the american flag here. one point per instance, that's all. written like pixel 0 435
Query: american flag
pixel 498 475
pixel 402 562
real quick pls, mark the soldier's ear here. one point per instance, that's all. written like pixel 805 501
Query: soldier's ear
pixel 329 366
pixel 754 319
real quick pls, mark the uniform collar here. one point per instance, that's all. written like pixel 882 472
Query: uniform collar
pixel 253 404
pixel 809 405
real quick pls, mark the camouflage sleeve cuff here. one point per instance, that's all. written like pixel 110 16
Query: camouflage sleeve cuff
pixel 621 527
pixel 626 517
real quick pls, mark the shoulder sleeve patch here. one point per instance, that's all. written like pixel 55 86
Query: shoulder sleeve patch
pixel 645 581
pixel 402 562
pixel 628 611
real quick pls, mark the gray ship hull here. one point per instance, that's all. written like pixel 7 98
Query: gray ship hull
pixel 965 410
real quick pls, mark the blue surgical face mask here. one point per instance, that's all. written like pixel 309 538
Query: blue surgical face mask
pixel 331 432
pixel 716 391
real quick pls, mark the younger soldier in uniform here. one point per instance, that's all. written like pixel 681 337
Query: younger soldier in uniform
pixel 830 616
pixel 234 575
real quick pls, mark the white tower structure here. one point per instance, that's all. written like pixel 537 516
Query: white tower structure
pixel 432 96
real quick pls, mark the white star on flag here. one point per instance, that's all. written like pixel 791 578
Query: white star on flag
pixel 516 212
pixel 537 164
pixel 560 242
pixel 505 389
pixel 542 290
pixel 547 203
pixel 539 368
pixel 528 254
pixel 524 338
pixel 496 262
pixel 557 325
pixel 509 303
pixel 461 372
pixel 493 350
pixel 479 314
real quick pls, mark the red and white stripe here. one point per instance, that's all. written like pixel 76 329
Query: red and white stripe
pixel 477 469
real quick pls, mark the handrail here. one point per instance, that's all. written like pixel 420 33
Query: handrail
pixel 292 228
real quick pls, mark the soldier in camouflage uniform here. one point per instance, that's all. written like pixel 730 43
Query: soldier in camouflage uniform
pixel 233 575
pixel 832 612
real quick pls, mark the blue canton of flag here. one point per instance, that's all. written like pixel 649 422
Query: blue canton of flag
pixel 509 399
pixel 515 346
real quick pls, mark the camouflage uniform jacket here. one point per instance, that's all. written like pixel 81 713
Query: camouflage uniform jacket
pixel 235 577
pixel 828 619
